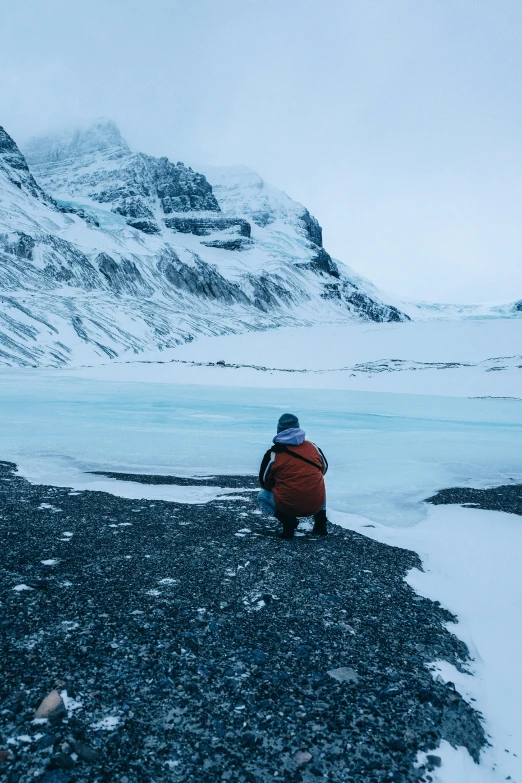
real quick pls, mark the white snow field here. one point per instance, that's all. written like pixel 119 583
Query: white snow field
pixel 471 561
pixel 468 357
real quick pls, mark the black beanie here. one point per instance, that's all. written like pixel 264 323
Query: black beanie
pixel 287 421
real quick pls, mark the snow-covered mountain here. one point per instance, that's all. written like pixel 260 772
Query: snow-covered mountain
pixel 107 252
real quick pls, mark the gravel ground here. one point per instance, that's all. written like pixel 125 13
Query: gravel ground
pixel 193 645
pixel 506 498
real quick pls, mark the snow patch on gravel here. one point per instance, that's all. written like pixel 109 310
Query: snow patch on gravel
pixel 471 561
pixel 62 472
pixel 106 724
pixel 70 704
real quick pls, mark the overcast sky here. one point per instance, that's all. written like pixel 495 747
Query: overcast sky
pixel 398 123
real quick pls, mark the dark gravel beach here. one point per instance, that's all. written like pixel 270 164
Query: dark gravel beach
pixel 507 497
pixel 196 646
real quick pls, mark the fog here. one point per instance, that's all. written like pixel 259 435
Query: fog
pixel 396 123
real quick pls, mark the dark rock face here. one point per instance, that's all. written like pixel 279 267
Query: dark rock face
pixel 180 189
pixel 518 306
pixel 313 230
pixel 146 179
pixel 19 244
pixel 147 226
pixel 65 263
pixel 375 311
pixel 15 167
pixel 128 206
pixel 213 652
pixel 123 277
pixel 241 243
pixel 204 226
pixel 362 304
pixel 268 292
pixel 321 263
pixel 200 279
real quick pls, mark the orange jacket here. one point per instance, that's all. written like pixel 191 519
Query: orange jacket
pixel 295 476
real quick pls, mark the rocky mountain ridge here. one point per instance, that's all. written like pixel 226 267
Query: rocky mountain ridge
pixel 105 251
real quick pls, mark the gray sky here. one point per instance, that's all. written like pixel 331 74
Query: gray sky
pixel 396 122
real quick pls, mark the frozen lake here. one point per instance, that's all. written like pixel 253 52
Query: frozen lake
pixel 387 452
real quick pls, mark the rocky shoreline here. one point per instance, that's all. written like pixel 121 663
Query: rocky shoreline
pixel 507 497
pixel 189 643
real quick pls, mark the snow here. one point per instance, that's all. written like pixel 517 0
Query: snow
pixel 70 704
pixel 107 724
pixel 24 738
pixel 484 358
pixel 471 561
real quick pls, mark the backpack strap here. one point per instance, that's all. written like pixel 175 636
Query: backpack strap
pixel 298 456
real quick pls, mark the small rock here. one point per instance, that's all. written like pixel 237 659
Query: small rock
pixel 4 755
pixel 344 674
pixel 58 715
pixel 86 753
pixel 47 741
pixel 63 761
pixel 302 757
pixel 36 584
pixel 398 744
pixel 426 695
pixel 50 704
pixel 56 776
pixel 392 690
pixel 433 761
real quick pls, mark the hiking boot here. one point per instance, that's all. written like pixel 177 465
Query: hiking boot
pixel 288 534
pixel 320 523
pixel 289 524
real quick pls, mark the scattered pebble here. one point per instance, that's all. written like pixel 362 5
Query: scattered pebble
pixel 302 757
pixel 344 674
pixel 52 702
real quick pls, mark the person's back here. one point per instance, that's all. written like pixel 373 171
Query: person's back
pixel 291 475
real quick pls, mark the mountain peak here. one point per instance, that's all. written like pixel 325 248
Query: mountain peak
pixel 102 136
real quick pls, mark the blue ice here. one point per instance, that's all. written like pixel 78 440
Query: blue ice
pixel 387 452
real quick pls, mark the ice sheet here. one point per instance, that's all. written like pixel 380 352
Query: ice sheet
pixel 454 358
pixel 387 452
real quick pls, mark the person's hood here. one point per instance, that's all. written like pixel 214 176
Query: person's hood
pixel 292 437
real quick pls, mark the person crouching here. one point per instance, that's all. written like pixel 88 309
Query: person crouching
pixel 292 476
